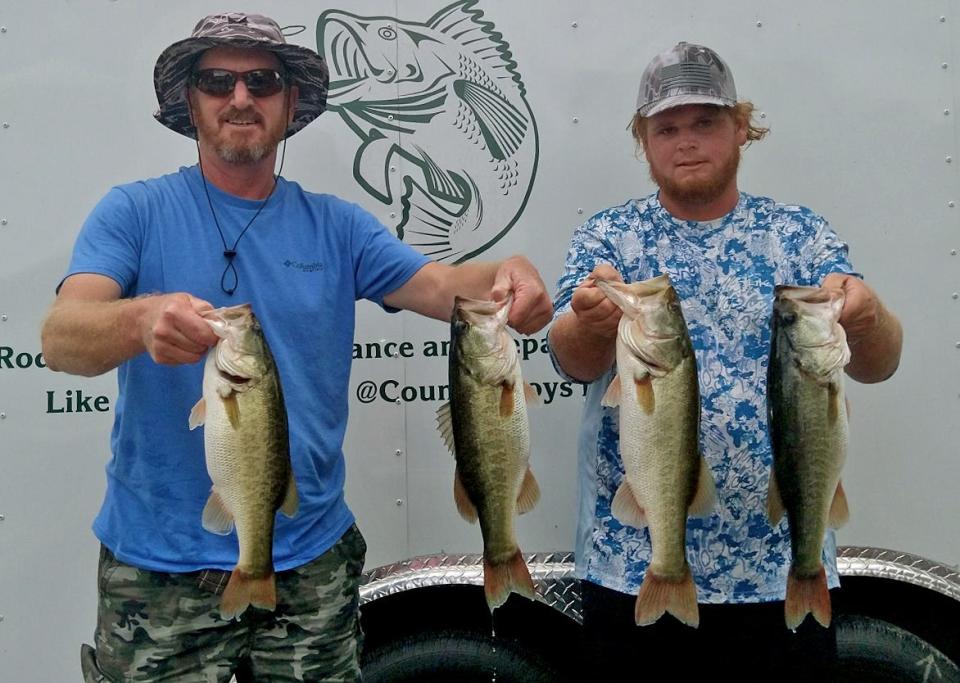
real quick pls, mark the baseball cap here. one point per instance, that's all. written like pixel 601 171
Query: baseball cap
pixel 685 74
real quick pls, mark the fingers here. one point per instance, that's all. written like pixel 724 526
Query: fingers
pixel 532 307
pixel 175 333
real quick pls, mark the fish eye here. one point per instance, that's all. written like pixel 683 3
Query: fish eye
pixel 387 33
pixel 788 318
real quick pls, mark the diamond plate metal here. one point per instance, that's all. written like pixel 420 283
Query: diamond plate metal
pixel 553 574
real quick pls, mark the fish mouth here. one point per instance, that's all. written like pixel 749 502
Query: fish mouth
pixel 810 295
pixel 473 311
pixel 343 47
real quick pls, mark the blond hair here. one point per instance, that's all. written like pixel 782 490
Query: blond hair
pixel 741 112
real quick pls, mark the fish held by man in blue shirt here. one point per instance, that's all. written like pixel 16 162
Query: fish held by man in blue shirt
pixel 666 479
pixel 808 423
pixel 247 453
pixel 485 426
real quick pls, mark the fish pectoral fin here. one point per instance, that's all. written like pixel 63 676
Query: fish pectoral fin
pixel 611 399
pixel 626 508
pixel 529 493
pixel 774 501
pixel 705 497
pixel 465 506
pixel 530 394
pixel 217 519
pixel 291 501
pixel 198 414
pixel 645 395
pixel 445 426
pixel 839 511
pixel 232 408
pixel 506 399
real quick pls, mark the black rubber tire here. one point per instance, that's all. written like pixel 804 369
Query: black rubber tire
pixel 447 656
pixel 869 649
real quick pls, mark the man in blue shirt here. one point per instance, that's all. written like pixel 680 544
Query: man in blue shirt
pixel 152 257
pixel 725 251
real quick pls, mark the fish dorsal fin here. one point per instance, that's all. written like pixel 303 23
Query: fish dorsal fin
pixel 774 501
pixel 291 501
pixel 530 394
pixel 506 399
pixel 502 125
pixel 463 23
pixel 839 511
pixel 627 508
pixel 705 498
pixel 198 414
pixel 445 426
pixel 465 506
pixel 529 493
pixel 611 399
pixel 217 519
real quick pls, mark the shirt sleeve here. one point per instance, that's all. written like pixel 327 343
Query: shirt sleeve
pixel 110 241
pixel 821 254
pixel 589 247
pixel 382 263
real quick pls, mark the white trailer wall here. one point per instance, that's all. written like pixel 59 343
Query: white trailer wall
pixel 861 100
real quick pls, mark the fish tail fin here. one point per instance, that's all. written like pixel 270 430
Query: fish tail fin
pixel 658 595
pixel 500 579
pixel 807 595
pixel 244 590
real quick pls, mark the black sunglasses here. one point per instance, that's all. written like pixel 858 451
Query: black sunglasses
pixel 221 82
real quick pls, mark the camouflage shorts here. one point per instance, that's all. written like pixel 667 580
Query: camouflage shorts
pixel 154 626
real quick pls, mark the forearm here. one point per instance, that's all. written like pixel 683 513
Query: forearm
pixel 92 337
pixel 582 353
pixel 875 355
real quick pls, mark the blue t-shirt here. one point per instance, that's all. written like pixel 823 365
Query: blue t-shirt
pixel 724 273
pixel 302 265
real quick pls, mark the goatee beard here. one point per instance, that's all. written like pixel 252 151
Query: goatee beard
pixel 699 192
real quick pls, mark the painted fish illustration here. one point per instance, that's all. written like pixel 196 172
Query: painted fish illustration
pixel 485 426
pixel 808 424
pixel 666 478
pixel 247 453
pixel 441 102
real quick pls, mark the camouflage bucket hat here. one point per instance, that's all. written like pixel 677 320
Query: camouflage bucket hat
pixel 304 67
pixel 685 74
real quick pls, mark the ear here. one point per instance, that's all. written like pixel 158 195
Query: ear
pixel 741 125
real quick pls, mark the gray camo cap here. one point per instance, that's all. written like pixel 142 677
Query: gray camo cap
pixel 236 29
pixel 685 74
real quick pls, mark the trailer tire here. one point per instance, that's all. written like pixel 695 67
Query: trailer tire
pixel 870 649
pixel 453 655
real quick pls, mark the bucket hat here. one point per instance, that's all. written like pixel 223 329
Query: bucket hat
pixel 685 74
pixel 303 66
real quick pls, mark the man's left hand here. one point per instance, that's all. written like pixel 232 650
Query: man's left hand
pixel 532 308
pixel 862 312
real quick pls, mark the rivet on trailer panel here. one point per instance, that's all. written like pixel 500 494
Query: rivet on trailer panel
pixel 943 20
pixel 3 29
pixel 944 65
pixel 579 210
pixel 573 24
pixel 3 221
pixel 398 452
pixel 953 252
pixel 3 416
pixel 946 112
pixel 948 159
pixel 3 318
pixel 759 24
pixel 951 203
pixel 576 119
pixel 399 502
pixel 955 295
pixel 6 125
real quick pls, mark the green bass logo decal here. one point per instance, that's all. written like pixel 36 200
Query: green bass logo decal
pixel 447 138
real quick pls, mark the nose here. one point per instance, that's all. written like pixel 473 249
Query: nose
pixel 687 143
pixel 241 97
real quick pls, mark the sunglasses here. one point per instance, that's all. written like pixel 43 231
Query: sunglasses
pixel 221 82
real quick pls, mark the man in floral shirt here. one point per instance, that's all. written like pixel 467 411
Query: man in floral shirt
pixel 725 251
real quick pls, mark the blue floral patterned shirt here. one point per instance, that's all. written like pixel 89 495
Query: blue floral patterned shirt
pixel 724 272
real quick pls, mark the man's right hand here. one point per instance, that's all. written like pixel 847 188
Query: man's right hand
pixel 596 314
pixel 173 331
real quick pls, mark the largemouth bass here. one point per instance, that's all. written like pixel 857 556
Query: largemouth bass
pixel 666 478
pixel 247 453
pixel 485 426
pixel 808 424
